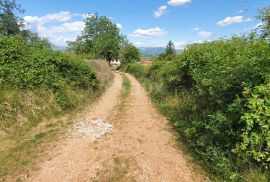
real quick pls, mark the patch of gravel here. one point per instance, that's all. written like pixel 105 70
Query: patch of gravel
pixel 93 128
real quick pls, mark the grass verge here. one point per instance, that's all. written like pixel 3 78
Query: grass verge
pixel 21 150
pixel 118 172
pixel 126 87
pixel 22 146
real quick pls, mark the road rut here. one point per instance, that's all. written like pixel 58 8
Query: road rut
pixel 139 147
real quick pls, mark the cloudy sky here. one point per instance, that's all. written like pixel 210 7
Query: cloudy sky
pixel 146 23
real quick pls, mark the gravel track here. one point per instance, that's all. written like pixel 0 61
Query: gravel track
pixel 136 135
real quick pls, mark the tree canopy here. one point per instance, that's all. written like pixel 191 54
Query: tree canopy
pixel 10 23
pixel 170 49
pixel 100 37
pixel 129 53
pixel 264 15
pixel 170 52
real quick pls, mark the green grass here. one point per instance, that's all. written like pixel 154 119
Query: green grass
pixel 116 173
pixel 126 87
pixel 24 153
pixel 44 124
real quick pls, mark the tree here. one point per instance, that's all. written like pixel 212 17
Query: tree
pixel 35 40
pixel 100 37
pixel 170 49
pixel 78 46
pixel 170 52
pixel 10 23
pixel 106 46
pixel 129 54
pixel 264 16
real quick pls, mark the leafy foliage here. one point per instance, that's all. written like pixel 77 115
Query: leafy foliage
pixel 28 66
pixel 256 133
pixel 10 23
pixel 100 38
pixel 129 54
pixel 170 48
pixel 170 52
pixel 36 41
pixel 264 16
pixel 222 88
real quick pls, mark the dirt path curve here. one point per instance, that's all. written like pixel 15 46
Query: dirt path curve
pixel 139 146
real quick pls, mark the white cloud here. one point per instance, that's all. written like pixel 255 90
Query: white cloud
pixel 60 40
pixel 240 11
pixel 205 34
pixel 161 10
pixel 62 16
pixel 180 45
pixel 138 43
pixel 195 29
pixel 258 25
pixel 178 2
pixel 32 20
pixel 119 26
pixel 59 35
pixel 148 33
pixel 150 43
pixel 56 27
pixel 248 20
pixel 233 20
pixel 88 15
pixel 76 26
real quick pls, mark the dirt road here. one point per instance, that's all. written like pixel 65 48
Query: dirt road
pixel 118 140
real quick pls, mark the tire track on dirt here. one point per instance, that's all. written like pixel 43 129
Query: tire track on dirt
pixel 140 148
pixel 145 141
pixel 77 159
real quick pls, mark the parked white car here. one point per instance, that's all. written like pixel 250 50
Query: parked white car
pixel 115 64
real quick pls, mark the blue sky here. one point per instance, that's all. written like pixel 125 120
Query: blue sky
pixel 146 23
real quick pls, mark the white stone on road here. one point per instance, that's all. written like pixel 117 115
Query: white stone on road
pixel 93 128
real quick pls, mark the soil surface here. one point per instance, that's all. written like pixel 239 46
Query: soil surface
pixel 118 140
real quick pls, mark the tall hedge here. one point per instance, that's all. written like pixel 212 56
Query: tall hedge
pixel 223 92
pixel 26 66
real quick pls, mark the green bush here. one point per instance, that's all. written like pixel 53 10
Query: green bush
pixel 26 66
pixel 255 142
pixel 223 93
pixel 129 54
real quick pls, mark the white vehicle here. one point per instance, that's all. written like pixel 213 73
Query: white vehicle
pixel 115 64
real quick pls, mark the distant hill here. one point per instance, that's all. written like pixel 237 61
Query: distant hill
pixel 153 51
pixel 60 48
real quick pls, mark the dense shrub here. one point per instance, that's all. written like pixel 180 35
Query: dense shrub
pixel 26 66
pixel 137 69
pixel 223 92
pixel 129 54
pixel 39 87
pixel 220 71
pixel 255 143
